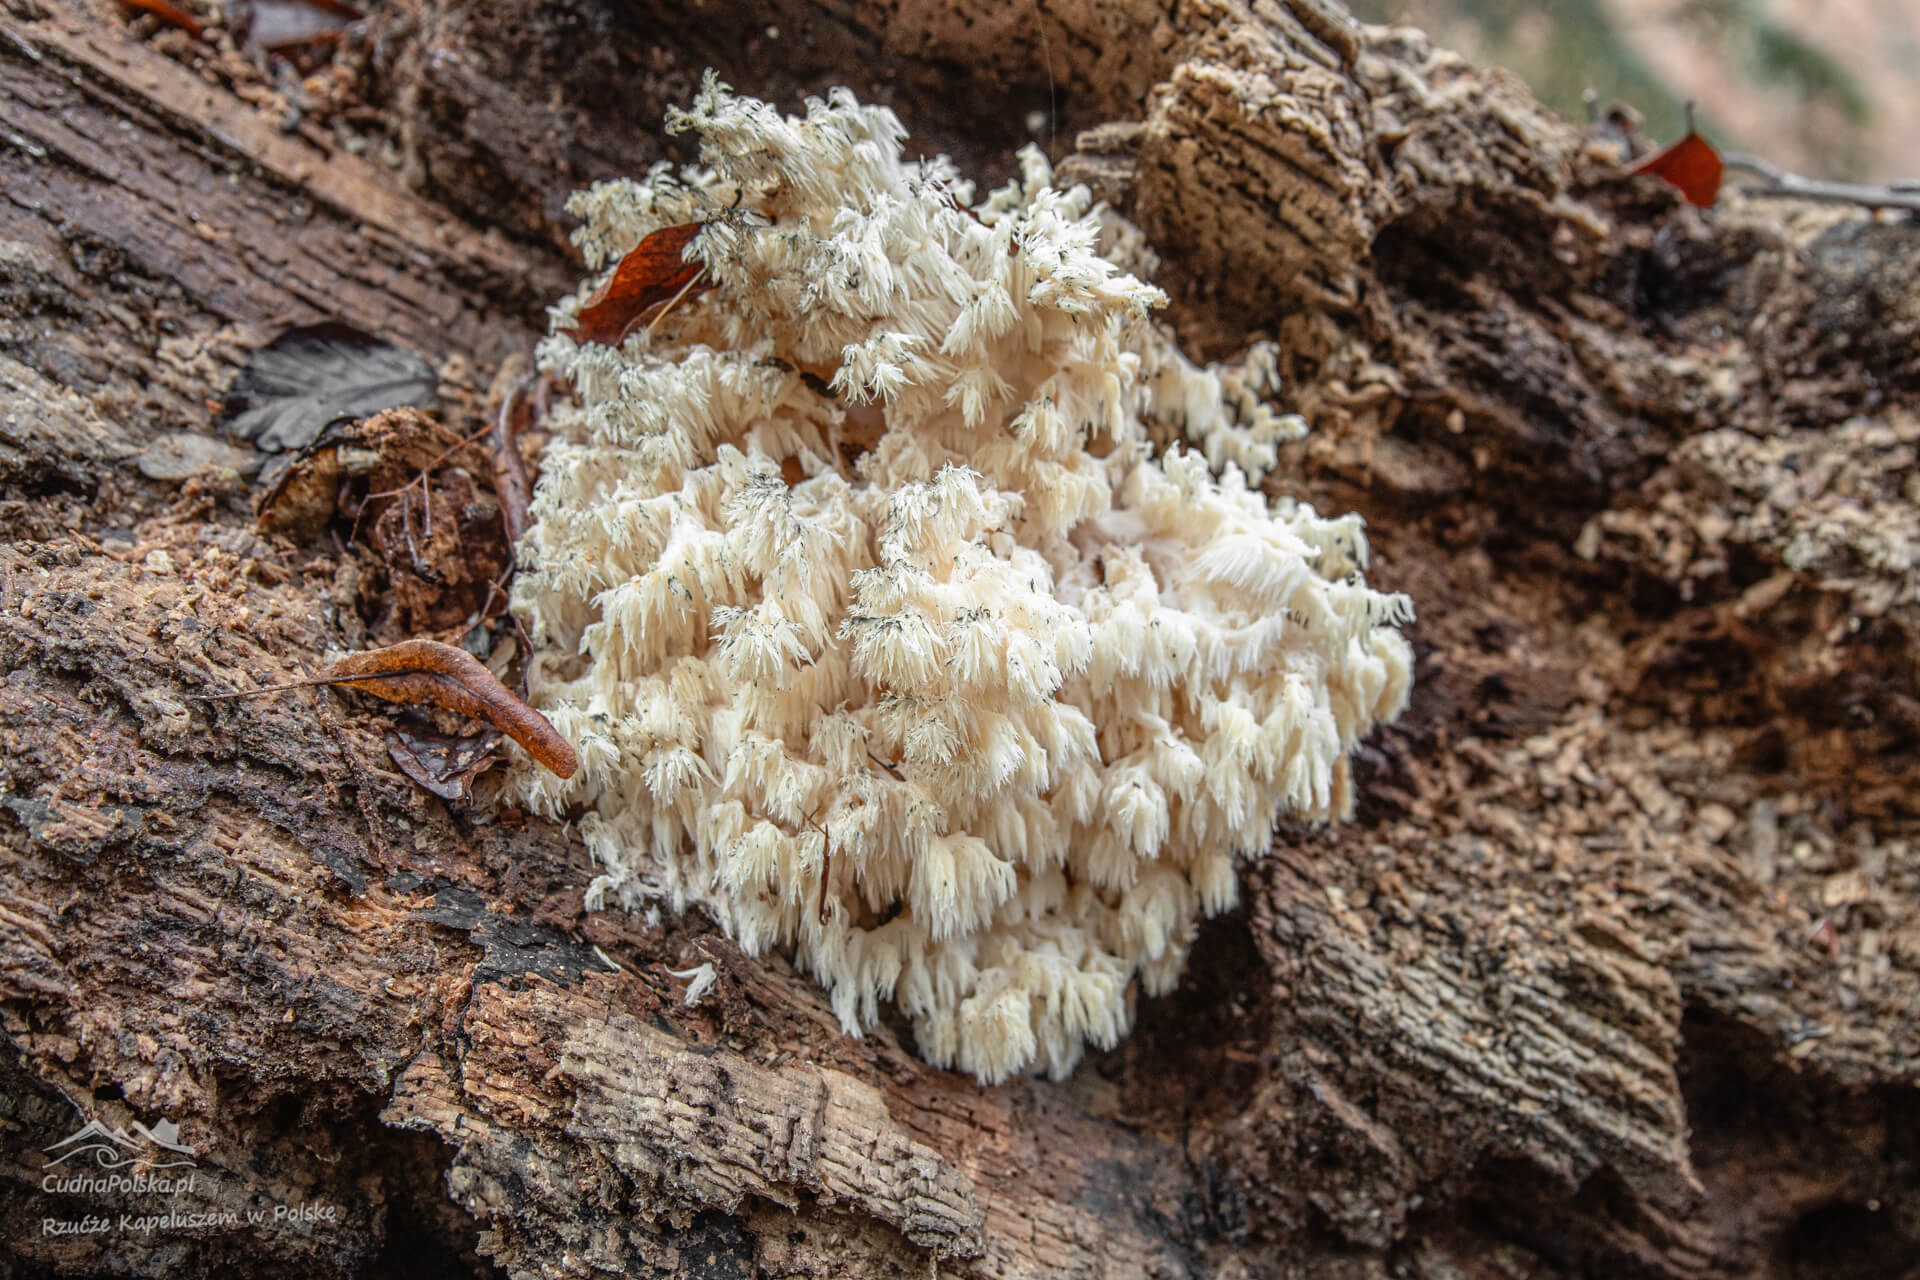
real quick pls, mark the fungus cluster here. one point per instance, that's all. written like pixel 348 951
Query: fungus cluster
pixel 886 633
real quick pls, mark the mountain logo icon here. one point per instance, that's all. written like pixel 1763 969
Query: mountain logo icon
pixel 113 1148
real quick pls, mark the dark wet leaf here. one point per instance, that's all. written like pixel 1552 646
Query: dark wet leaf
pixel 445 766
pixel 309 376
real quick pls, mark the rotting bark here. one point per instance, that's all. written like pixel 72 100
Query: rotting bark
pixel 1616 972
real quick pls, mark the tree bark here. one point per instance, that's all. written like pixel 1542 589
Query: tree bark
pixel 1617 971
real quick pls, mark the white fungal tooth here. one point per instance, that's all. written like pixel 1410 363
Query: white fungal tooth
pixel 884 633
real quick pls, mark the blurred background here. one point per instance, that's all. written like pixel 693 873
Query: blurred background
pixel 1829 88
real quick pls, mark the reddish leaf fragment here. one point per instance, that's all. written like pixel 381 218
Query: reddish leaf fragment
pixel 1690 164
pixel 652 274
pixel 445 766
pixel 414 672
pixel 169 13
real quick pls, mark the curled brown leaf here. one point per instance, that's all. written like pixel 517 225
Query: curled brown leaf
pixel 652 274
pixel 171 14
pixel 416 672
pixel 445 766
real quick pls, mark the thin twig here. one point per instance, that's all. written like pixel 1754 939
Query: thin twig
pixel 423 479
pixel 655 322
pixel 509 471
pixel 311 682
pixel 1903 194
pixel 496 588
pixel 826 863
pixel 406 524
pixel 255 693
pixel 459 442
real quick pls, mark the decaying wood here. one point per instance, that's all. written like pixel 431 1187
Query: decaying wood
pixel 1616 972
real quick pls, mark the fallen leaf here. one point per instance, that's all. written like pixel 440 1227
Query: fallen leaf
pixel 445 766
pixel 311 375
pixel 651 274
pixel 281 24
pixel 168 13
pixel 416 672
pixel 1690 164
pixel 182 455
pixel 299 489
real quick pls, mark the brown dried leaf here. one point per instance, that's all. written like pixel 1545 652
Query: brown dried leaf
pixel 1690 164
pixel 652 273
pixel 416 672
pixel 445 766
pixel 169 13
pixel 301 490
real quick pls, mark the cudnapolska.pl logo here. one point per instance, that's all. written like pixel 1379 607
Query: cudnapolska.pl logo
pixel 156 1148
pixel 98 1160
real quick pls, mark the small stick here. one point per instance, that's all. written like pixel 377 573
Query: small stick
pixel 268 688
pixel 826 863
pixel 1903 194
pixel 509 472
pixel 459 442
pixel 423 477
pixel 655 322
pixel 406 525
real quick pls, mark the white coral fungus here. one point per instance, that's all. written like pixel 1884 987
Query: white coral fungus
pixel 862 567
